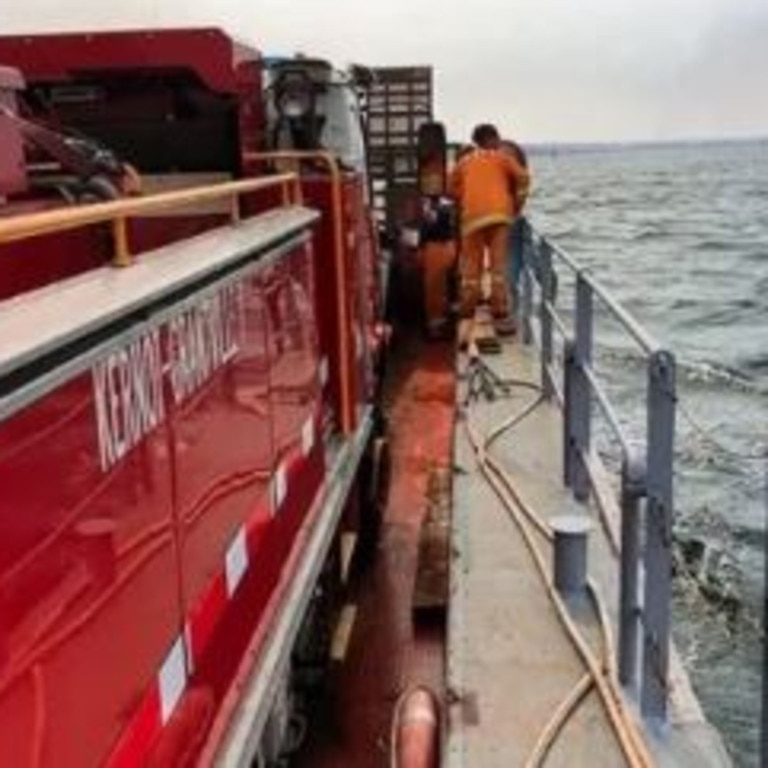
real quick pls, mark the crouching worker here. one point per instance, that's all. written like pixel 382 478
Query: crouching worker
pixel 483 183
pixel 438 257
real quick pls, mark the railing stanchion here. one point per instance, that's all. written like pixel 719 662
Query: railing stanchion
pixel 577 387
pixel 632 491
pixel 285 194
pixel 569 364
pixel 122 253
pixel 646 478
pixel 298 196
pixel 658 536
pixel 545 261
pixel 526 294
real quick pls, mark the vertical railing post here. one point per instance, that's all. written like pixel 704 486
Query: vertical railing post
pixel 658 534
pixel 121 249
pixel 234 209
pixel 285 194
pixel 579 394
pixel 569 364
pixel 526 293
pixel 545 319
pixel 297 195
pixel 632 491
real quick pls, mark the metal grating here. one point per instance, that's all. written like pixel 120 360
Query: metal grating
pixel 396 103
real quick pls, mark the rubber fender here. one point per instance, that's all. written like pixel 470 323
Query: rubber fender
pixel 416 730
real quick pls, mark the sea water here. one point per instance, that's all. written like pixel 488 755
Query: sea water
pixel 679 233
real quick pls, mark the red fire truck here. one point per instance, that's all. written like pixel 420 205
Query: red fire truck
pixel 189 439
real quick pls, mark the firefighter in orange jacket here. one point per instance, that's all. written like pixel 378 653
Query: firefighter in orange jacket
pixel 485 183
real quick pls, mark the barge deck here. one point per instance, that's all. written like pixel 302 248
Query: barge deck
pixel 502 663
pixel 510 664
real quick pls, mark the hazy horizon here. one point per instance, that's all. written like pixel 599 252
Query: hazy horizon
pixel 586 145
pixel 545 71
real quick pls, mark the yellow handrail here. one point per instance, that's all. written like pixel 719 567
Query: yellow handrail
pixel 117 212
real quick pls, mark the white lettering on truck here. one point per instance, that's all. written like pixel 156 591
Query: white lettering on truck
pixel 202 339
pixel 128 382
pixel 128 395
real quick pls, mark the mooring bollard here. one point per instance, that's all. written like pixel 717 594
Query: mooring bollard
pixel 570 553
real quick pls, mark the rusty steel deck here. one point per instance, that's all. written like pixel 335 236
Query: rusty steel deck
pixel 389 651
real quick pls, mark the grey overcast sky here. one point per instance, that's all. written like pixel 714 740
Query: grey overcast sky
pixel 569 70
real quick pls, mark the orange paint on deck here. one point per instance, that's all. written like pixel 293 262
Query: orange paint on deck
pixel 387 653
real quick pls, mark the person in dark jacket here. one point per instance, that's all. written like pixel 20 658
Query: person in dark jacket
pixel 516 241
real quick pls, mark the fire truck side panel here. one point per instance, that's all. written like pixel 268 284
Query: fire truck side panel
pixel 223 457
pixel 247 450
pixel 360 267
pixel 151 495
pixel 317 192
pixel 318 195
pixel 82 549
pixel 295 390
pixel 277 380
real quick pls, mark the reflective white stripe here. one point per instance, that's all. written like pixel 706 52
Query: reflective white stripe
pixel 279 488
pixel 323 372
pixel 172 679
pixel 308 436
pixel 241 742
pixel 236 561
pixel 196 639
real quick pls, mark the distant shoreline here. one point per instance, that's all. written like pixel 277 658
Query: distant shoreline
pixel 598 146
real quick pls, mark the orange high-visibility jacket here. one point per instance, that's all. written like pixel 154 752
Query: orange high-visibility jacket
pixel 484 182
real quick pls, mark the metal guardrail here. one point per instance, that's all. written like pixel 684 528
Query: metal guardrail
pixel 646 487
pixel 117 213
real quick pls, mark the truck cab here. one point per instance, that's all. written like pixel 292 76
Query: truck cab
pixel 313 106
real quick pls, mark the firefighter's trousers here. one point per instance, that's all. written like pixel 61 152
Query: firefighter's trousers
pixel 491 241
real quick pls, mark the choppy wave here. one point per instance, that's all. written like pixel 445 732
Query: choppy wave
pixel 696 372
pixel 645 234
pixel 717 375
pixel 756 364
pixel 680 234
pixel 718 245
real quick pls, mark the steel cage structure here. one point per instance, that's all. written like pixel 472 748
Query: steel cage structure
pixel 647 469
